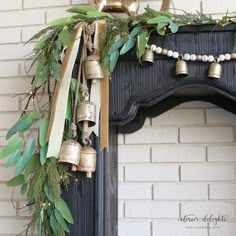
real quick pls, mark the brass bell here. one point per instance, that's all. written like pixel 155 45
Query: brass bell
pixel 93 68
pixel 70 152
pixel 215 70
pixel 148 57
pixel 87 112
pixel 181 69
pixel 87 160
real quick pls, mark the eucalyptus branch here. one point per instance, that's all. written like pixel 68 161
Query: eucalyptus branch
pixel 31 95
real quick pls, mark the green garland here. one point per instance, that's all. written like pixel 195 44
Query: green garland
pixel 42 178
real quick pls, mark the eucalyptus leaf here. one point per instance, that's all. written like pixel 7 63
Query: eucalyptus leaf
pixel 135 31
pixel 127 46
pixel 11 147
pixel 158 13
pixel 30 166
pixel 23 188
pixel 65 37
pixel 43 129
pixel 13 158
pixel 18 180
pixel 69 108
pixel 61 221
pixel 73 85
pixel 174 27
pixel 116 45
pixel 160 26
pixel 56 70
pixel 159 19
pixel 135 22
pixel 161 31
pixel 40 43
pixel 151 11
pixel 83 9
pixel 49 210
pixel 165 13
pixel 39 227
pixel 44 74
pixel 34 115
pixel 43 154
pixel 19 126
pixel 63 21
pixel 53 224
pixel 42 214
pixel 47 193
pixel 29 149
pixel 113 60
pixel 106 60
pixel 38 71
pixel 62 207
pixel 141 42
pixel 99 14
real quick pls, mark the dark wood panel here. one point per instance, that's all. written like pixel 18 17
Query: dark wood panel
pixel 134 86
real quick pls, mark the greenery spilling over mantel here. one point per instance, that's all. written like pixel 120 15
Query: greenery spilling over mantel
pixel 41 178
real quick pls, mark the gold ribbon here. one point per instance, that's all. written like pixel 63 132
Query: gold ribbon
pixel 59 104
pixel 100 95
pixel 104 114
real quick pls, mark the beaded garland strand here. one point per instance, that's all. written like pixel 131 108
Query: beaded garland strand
pixel 191 57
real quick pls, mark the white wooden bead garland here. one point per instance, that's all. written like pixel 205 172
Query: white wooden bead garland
pixel 191 57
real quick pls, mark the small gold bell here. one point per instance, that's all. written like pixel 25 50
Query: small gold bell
pixel 215 70
pixel 87 112
pixel 93 68
pixel 181 68
pixel 70 152
pixel 87 160
pixel 148 57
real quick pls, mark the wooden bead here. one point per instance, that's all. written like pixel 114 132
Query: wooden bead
pixel 199 57
pixel 164 51
pixel 233 55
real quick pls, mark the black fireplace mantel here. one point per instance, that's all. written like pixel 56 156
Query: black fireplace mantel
pixel 134 86
pixel 138 91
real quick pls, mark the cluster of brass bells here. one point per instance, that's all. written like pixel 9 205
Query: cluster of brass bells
pixel 86 115
pixel 81 158
pixel 84 158
pixel 181 69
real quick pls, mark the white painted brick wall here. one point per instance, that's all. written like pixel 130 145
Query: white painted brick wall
pixel 19 20
pixel 192 172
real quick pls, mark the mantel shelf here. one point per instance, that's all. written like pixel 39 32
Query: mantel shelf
pixel 134 86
